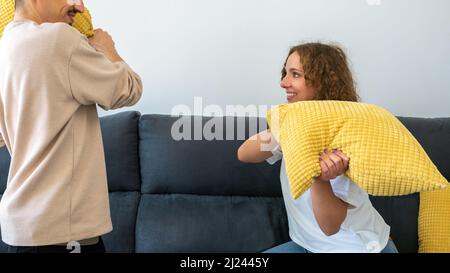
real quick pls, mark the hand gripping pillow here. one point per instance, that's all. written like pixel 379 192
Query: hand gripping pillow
pixel 82 21
pixel 385 158
pixel 434 222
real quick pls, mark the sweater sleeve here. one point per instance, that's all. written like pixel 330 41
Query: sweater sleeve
pixel 94 79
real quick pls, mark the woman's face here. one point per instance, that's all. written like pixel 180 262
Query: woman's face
pixel 294 82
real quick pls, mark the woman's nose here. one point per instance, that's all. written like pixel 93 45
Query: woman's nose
pixel 284 83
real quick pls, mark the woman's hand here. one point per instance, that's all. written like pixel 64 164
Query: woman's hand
pixel 333 164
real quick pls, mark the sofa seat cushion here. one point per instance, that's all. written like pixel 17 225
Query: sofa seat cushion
pixel 401 214
pixel 196 223
pixel 124 207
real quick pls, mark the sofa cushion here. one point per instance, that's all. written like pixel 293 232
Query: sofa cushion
pixel 5 161
pixel 194 223
pixel 6 14
pixel 434 136
pixel 3 246
pixel 401 214
pixel 434 222
pixel 121 141
pixel 124 207
pixel 202 166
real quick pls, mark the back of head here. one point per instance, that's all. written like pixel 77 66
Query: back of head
pixel 82 20
pixel 327 70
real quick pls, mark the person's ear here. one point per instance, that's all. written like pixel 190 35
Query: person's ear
pixel 79 4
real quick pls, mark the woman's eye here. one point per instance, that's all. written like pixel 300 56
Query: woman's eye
pixel 296 75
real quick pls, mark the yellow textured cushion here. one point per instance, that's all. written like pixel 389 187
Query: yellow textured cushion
pixel 434 222
pixel 6 13
pixel 385 158
pixel 82 21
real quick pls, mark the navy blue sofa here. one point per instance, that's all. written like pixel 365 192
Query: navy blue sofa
pixel 195 196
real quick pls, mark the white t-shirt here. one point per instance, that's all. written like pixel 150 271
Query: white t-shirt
pixel 363 230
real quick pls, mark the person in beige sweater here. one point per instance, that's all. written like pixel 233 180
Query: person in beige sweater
pixel 51 80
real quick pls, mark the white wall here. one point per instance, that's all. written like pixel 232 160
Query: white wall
pixel 230 52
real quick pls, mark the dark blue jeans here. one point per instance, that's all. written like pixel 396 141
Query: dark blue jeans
pixel 291 247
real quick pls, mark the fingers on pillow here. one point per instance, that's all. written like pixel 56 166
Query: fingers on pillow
pixel 323 167
pixel 342 155
pixel 331 167
pixel 338 161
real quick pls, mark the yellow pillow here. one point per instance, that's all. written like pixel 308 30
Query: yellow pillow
pixel 82 21
pixel 385 158
pixel 6 13
pixel 434 222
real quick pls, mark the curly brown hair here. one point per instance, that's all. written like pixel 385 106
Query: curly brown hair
pixel 327 70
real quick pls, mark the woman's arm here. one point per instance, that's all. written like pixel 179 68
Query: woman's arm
pixel 257 148
pixel 329 210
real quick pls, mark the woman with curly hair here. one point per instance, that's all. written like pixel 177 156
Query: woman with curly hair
pixel 335 214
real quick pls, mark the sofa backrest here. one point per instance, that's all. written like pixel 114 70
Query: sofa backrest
pixel 196 195
pixel 121 144
pixel 5 160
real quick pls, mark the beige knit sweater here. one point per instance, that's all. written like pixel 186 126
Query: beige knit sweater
pixel 51 80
